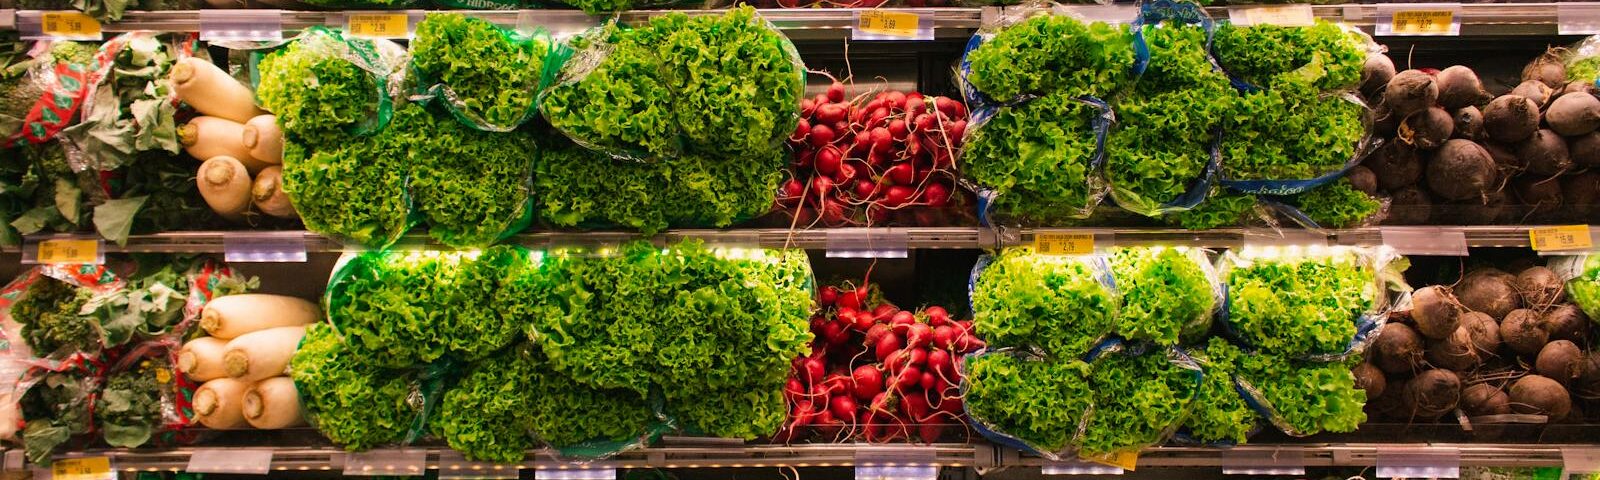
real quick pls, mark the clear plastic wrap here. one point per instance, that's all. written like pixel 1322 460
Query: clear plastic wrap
pixel 58 405
pixel 1142 396
pixel 41 95
pixel 1581 60
pixel 130 108
pixel 51 305
pixel 1169 294
pixel 1299 397
pixel 1063 141
pixel 487 76
pixel 1044 48
pixel 1582 273
pixel 1062 305
pixel 1334 205
pixel 1315 303
pixel 326 88
pixel 355 404
pixel 144 401
pixel 1024 400
pixel 1220 416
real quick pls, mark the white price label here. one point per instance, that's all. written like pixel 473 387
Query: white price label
pixel 1296 15
pixel 1418 19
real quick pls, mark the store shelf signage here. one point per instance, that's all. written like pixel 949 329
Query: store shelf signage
pixel 891 25
pixel 1577 18
pixel 57 25
pixel 1421 462
pixel 74 250
pixel 1436 241
pixel 378 24
pixel 1418 19
pixel 1296 15
pixel 1560 238
pixel 86 468
pixel 236 461
pixel 1062 243
pixel 241 25
pixel 868 243
pixel 264 247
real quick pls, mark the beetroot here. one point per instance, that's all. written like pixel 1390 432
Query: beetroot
pixel 1461 170
pixel 1545 153
pixel 1567 322
pixel 1573 114
pixel 1510 118
pixel 1375 74
pixel 1481 399
pixel 1395 165
pixel 1483 331
pixel 1585 150
pixel 1581 195
pixel 1534 90
pixel 1543 195
pixel 1523 330
pixel 1480 211
pixel 1459 87
pixel 1579 87
pixel 1549 68
pixel 1539 395
pixel 1409 206
pixel 1560 360
pixel 1432 393
pixel 1436 311
pixel 1363 179
pixel 1540 287
pixel 1504 157
pixel 1369 378
pixel 1410 92
pixel 1427 129
pixel 1489 290
pixel 1455 352
pixel 1397 350
pixel 1468 123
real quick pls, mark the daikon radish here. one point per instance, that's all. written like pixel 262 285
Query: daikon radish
pixel 225 184
pixel 201 359
pixel 206 137
pixel 264 138
pixel 211 91
pixel 219 404
pixel 272 404
pixel 234 315
pixel 262 354
pixel 267 194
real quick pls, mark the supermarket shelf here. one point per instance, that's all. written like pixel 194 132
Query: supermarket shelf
pixel 873 238
pixel 804 23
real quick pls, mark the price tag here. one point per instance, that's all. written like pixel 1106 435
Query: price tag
pixel 63 250
pixel 239 461
pixel 1560 238
pixel 1123 460
pixel 67 25
pixel 378 24
pixel 1577 18
pixel 1297 15
pixel 1418 19
pixel 891 25
pixel 86 468
pixel 1051 243
pixel 1425 241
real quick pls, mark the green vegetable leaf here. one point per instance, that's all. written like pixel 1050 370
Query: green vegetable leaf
pixel 114 219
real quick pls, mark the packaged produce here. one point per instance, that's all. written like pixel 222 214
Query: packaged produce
pixel 130 109
pixel 1221 208
pixel 1583 284
pixel 1219 415
pixel 1063 305
pixel 1338 204
pixel 1141 398
pixel 43 94
pixel 353 403
pixel 1302 398
pixel 487 76
pixel 1043 49
pixel 1029 402
pixel 1037 161
pixel 143 399
pixel 1320 302
pixel 1168 294
pixel 325 88
pixel 57 406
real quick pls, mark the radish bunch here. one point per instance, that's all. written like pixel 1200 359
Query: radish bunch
pixel 857 161
pixel 877 371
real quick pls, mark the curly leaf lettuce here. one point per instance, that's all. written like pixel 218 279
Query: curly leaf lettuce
pixel 1052 54
pixel 613 95
pixel 354 404
pixel 738 80
pixel 1166 293
pixel 1139 401
pixel 1297 306
pixel 1290 131
pixel 1056 303
pixel 471 186
pixel 323 86
pixel 1221 208
pixel 1329 54
pixel 493 73
pixel 1304 398
pixel 1037 158
pixel 1044 403
pixel 1337 205
pixel 1220 414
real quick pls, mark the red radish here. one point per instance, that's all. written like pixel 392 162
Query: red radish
pixel 948 107
pixel 865 189
pixel 877 332
pixel 897 195
pixel 868 381
pixel 836 332
pixel 793 389
pixel 930 432
pixel 821 187
pixel 901 325
pixel 813 370
pixel 829 159
pixel 899 174
pixel 919 335
pixel 936 195
pixel 821 135
pixel 843 406
pixel 882 141
pixel 793 189
pixel 832 212
pixel 908 377
pixel 915 406
pixel 896 99
pixel 919 357
pixel 957 128
pixel 939 361
pixel 887 311
pixel 903 317
pixel 801 130
pixel 854 298
pixel 937 315
pixel 944 336
pixel 886 346
pixel 863 321
pixel 928 381
pixel 828 295
pixel 820 100
pixel 807 107
pixel 836 92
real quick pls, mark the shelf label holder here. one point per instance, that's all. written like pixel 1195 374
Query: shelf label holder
pixel 1418 19
pixel 586 472
pixel 57 25
pixel 453 465
pixel 378 24
pixel 1577 19
pixel 231 461
pixel 8 18
pixel 1268 237
pixel 1419 462
pixel 1578 460
pixel 1111 13
pixel 1276 461
pixel 1561 238
pixel 868 243
pixel 1291 15
pixel 896 463
pixel 1070 242
pixel 264 247
pixel 1073 466
pixel 80 468
pixel 881 24
pixel 241 25
pixel 390 462
pixel 1430 241
pixel 63 249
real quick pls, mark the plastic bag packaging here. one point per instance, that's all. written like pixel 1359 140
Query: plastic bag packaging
pixel 1162 152
pixel 1326 55
pixel 1220 415
pixel 131 108
pixel 1333 205
pixel 1061 138
pixel 44 90
pixel 1062 305
pixel 1581 61
pixel 1582 273
pixel 1044 48
pixel 143 400
pixel 400 309
pixel 1169 294
pixel 58 405
pixel 1142 396
pixel 488 77
pixel 326 88
pixel 472 187
pixel 1221 208
pixel 1314 303
pixel 1299 397
pixel 50 303
pixel 1024 400
pixel 356 404
pixel 651 91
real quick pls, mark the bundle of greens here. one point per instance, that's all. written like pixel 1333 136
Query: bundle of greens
pixel 399 309
pixel 486 75
pixel 354 404
pixel 1037 158
pixel 1167 293
pixel 1290 131
pixel 1301 303
pixel 1327 54
pixel 129 410
pixel 471 185
pixel 53 320
pixel 131 110
pixel 717 85
pixel 1219 413
pixel 60 197
pixel 1337 205
pixel 582 188
pixel 567 413
pixel 18 89
pixel 157 193
pixel 1304 398
pixel 1044 403
pixel 1166 124
pixel 1056 303
pixel 485 415
pixel 1139 400
pixel 1584 286
pixel 1222 208
pixel 323 87
pixel 149 305
pixel 1052 54
pixel 57 406
pixel 633 318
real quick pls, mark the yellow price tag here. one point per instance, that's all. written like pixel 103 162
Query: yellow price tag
pixel 1124 460
pixel 881 22
pixel 1422 22
pixel 87 468
pixel 1063 243
pixel 69 251
pixel 69 25
pixel 1563 237
pixel 378 25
